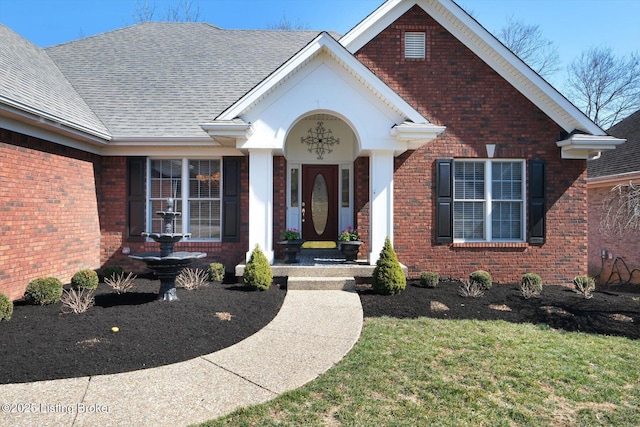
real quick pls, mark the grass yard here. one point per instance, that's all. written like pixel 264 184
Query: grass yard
pixel 409 372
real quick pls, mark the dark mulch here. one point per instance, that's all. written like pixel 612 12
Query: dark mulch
pixel 559 307
pixel 40 343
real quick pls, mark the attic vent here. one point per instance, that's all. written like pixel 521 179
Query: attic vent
pixel 414 45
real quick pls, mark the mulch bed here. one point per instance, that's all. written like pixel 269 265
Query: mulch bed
pixel 609 312
pixel 41 343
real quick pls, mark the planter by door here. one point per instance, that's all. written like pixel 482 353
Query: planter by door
pixel 350 249
pixel 291 249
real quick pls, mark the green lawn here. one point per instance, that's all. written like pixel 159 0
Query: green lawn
pixel 465 373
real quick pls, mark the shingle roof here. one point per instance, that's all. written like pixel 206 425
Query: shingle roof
pixel 31 81
pixel 165 79
pixel 626 157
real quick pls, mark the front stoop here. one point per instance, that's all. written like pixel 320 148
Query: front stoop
pixel 321 283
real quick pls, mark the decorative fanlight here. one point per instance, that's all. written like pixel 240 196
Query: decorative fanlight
pixel 320 140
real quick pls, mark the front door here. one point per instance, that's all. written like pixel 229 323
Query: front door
pixel 320 202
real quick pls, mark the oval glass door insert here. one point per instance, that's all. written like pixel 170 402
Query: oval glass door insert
pixel 320 204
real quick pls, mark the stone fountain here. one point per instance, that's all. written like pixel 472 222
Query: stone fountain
pixel 167 264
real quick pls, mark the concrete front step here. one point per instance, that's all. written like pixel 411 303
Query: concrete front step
pixel 321 283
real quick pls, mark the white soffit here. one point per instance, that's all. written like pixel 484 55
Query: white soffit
pixel 323 43
pixel 581 146
pixel 473 35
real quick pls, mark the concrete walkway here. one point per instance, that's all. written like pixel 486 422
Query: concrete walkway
pixel 312 332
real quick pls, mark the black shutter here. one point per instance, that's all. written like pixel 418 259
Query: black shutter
pixel 537 184
pixel 231 199
pixel 136 200
pixel 444 201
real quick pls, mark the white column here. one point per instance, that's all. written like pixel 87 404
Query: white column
pixel 261 201
pixel 381 205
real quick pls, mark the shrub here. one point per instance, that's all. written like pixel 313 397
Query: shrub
pixel 530 285
pixel 482 278
pixel 111 272
pixel 216 272
pixel 584 285
pixel 44 290
pixel 471 289
pixel 192 278
pixel 85 279
pixel 388 277
pixel 6 307
pixel 121 284
pixel 257 272
pixel 77 300
pixel 429 279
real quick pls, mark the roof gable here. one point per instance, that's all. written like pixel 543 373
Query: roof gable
pixel 480 41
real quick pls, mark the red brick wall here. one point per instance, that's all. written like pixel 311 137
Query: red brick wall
pixel 626 245
pixel 49 211
pixel 453 87
pixel 113 225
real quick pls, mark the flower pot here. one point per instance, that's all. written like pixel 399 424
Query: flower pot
pixel 350 249
pixel 291 248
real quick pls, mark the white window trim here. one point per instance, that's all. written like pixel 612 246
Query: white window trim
pixel 184 182
pixel 488 199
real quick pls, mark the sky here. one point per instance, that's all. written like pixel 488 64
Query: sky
pixel 573 25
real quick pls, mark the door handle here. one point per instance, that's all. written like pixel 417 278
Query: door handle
pixel 303 211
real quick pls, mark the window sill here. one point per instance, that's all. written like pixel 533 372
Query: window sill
pixel 490 244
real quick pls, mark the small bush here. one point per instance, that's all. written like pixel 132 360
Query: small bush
pixel 121 284
pixel 85 279
pixel 531 285
pixel 192 278
pixel 388 277
pixel 584 285
pixel 6 307
pixel 77 300
pixel 471 289
pixel 111 272
pixel 482 278
pixel 216 272
pixel 257 272
pixel 44 290
pixel 429 279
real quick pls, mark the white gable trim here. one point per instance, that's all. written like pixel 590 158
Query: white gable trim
pixel 324 42
pixel 473 35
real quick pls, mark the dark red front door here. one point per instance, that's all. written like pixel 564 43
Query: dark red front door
pixel 320 202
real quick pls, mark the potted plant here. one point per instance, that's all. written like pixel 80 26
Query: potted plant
pixel 291 244
pixel 349 241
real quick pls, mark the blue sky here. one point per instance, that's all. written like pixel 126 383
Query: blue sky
pixel 574 25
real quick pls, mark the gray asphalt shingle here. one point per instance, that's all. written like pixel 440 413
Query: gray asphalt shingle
pixel 165 79
pixel 31 80
pixel 626 157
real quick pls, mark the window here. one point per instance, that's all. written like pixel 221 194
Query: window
pixel 488 200
pixel 196 187
pixel 414 45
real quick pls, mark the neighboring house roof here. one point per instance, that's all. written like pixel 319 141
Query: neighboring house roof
pixel 31 84
pixel 162 79
pixel 625 158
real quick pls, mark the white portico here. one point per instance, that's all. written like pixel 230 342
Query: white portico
pixel 321 110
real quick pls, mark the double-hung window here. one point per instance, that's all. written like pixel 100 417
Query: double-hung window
pixel 195 185
pixel 488 200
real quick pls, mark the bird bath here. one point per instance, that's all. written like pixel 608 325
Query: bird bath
pixel 167 264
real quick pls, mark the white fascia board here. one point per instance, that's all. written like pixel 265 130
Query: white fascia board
pixel 19 110
pixel 228 132
pixel 416 135
pixel 580 146
pixel 55 134
pixel 480 41
pixel 324 42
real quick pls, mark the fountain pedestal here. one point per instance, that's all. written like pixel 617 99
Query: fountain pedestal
pixel 167 264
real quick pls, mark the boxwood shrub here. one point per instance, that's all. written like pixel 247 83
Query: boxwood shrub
pixel 85 279
pixel 43 290
pixel 482 278
pixel 6 307
pixel 429 279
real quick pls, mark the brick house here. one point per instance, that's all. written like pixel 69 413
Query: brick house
pixel 613 168
pixel 417 124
